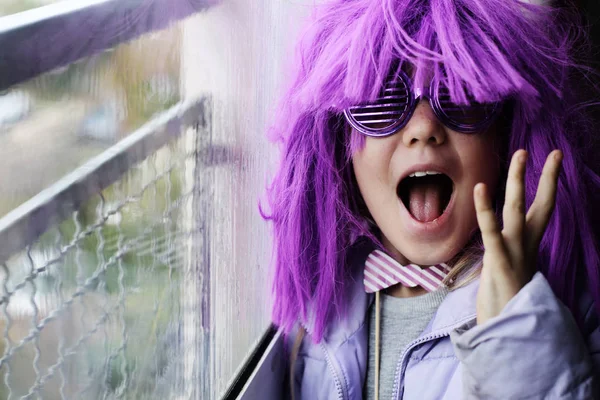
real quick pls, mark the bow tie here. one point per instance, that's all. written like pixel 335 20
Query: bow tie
pixel 382 271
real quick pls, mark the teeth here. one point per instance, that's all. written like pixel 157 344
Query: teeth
pixel 419 174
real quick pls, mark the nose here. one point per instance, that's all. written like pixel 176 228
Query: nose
pixel 423 128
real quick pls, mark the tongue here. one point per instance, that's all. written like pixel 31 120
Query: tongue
pixel 425 201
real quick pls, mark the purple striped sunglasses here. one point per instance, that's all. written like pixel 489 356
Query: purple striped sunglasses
pixel 398 101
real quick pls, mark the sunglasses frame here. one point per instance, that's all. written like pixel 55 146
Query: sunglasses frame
pixel 415 95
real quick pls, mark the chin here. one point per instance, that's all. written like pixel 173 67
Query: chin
pixel 426 254
pixel 430 259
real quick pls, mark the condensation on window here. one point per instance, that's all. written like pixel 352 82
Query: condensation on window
pixel 238 53
pixel 157 286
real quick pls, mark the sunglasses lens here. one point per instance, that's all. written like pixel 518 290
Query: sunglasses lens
pixel 385 114
pixel 465 118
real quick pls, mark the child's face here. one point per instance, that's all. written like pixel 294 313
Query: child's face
pixel 425 220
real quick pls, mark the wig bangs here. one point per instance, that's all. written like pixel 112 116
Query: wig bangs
pixel 481 50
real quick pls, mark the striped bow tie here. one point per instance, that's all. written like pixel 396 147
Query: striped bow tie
pixel 382 271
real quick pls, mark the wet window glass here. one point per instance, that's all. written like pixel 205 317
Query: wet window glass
pixel 55 122
pixel 133 260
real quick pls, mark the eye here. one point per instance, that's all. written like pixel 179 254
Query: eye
pixel 389 110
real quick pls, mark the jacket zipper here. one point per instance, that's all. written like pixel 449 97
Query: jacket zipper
pixel 402 362
pixel 336 379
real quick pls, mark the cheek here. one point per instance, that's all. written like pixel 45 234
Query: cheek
pixel 368 176
pixel 481 161
pixel 372 171
pixel 371 163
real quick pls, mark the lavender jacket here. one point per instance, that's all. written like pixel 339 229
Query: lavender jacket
pixel 532 350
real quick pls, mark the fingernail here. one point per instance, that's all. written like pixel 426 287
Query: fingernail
pixel 480 189
pixel 523 156
pixel 558 155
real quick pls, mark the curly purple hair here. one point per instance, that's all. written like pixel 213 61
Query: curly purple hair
pixel 488 49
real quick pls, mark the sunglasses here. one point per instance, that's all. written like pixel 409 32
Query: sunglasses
pixel 398 101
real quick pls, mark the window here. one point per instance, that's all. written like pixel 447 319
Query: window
pixel 57 121
pixel 133 260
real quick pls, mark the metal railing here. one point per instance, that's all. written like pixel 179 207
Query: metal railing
pixel 57 35
pixel 76 266
pixel 104 276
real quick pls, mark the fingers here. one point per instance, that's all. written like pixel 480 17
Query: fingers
pixel 492 238
pixel 541 210
pixel 513 213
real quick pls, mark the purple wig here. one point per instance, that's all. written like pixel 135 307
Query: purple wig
pixel 489 49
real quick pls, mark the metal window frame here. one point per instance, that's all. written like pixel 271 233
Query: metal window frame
pixel 107 23
pixel 263 372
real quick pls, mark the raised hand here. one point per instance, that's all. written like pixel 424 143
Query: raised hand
pixel 510 255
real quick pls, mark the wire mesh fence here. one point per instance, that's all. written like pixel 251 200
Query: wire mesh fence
pixel 95 308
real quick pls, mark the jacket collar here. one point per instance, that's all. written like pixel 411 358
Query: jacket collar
pixel 459 306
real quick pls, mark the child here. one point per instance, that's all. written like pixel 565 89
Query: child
pixel 434 153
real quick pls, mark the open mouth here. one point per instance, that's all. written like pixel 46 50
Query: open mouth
pixel 426 195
